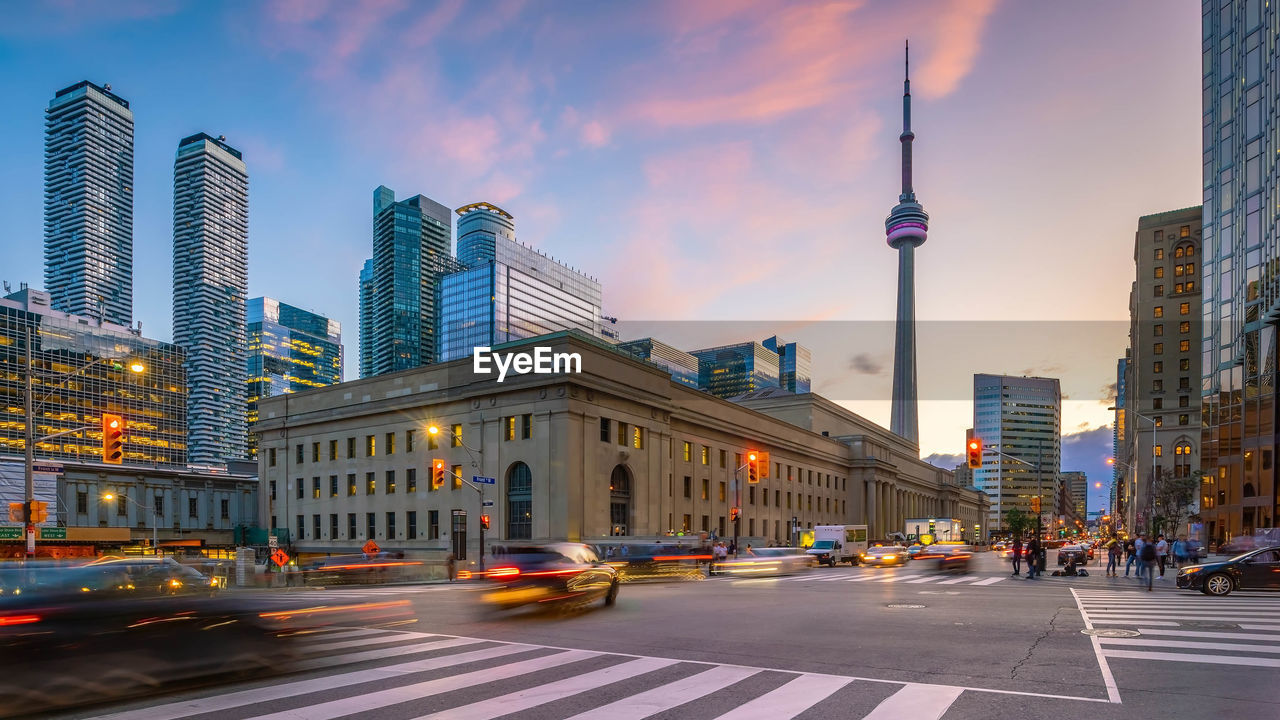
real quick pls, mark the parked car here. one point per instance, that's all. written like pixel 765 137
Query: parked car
pixel 1080 553
pixel 557 573
pixel 1254 570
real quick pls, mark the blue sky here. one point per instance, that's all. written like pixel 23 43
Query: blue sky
pixel 706 161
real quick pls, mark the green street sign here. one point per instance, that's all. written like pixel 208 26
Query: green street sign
pixel 11 533
pixel 53 533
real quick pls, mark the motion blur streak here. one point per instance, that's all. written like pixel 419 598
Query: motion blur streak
pixel 286 614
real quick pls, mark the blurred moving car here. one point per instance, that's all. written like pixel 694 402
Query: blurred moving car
pixel 1080 553
pixel 914 551
pixel 159 575
pixel 373 569
pixel 656 561
pixel 1255 570
pixel 557 573
pixel 766 562
pixel 884 555
pixel 948 557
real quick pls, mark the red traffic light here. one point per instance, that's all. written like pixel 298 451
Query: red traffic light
pixel 974 453
pixel 112 439
pixel 484 522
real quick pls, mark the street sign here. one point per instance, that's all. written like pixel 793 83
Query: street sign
pixel 487 503
pixel 10 533
pixel 53 533
pixel 17 512
pixel 280 557
pixel 370 548
pixel 483 480
pixel 273 541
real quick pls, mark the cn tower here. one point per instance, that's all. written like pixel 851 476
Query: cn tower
pixel 906 229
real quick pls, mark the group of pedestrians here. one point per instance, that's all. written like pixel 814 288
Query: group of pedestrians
pixel 1032 551
pixel 1147 557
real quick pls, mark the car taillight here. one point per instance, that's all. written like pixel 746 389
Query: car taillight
pixel 6 620
pixel 504 572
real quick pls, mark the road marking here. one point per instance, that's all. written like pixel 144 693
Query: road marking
pixel 896 578
pixel 1173 614
pixel 841 578
pixel 963 578
pixel 789 700
pixel 989 581
pixel 549 692
pixel 1196 658
pixel 1192 645
pixel 671 695
pixel 442 641
pixel 926 578
pixel 1109 680
pixel 919 702
pixel 1207 634
pixel 864 577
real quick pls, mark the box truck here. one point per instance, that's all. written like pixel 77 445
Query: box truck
pixel 838 543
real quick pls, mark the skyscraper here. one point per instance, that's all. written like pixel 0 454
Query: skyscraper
pixel 682 366
pixel 1119 437
pixel 88 203
pixel 411 241
pixel 210 284
pixel 509 291
pixel 906 229
pixel 795 364
pixel 366 319
pixel 731 370
pixel 290 349
pixel 1241 288
pixel 1020 417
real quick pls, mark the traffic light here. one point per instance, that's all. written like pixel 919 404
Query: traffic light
pixel 437 474
pixel 762 464
pixel 39 511
pixel 975 453
pixel 112 439
pixel 734 514
pixel 753 466
pixel 1035 504
pixel 484 522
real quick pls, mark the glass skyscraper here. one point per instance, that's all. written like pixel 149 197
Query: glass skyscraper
pixel 1021 417
pixel 411 243
pixel 509 291
pixel 290 350
pixel 210 285
pixel 682 366
pixel 732 370
pixel 81 371
pixel 366 319
pixel 1240 266
pixel 88 203
pixel 795 364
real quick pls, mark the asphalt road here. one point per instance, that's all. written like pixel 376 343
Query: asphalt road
pixel 833 643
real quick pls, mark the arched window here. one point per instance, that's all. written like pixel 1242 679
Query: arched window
pixel 620 501
pixel 1248 490
pixel 519 502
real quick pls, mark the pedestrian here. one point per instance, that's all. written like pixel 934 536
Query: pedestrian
pixel 1033 558
pixel 1180 555
pixel 1147 555
pixel 1131 555
pixel 1139 543
pixel 1113 557
pixel 749 550
pixel 451 566
pixel 1162 554
pixel 1017 555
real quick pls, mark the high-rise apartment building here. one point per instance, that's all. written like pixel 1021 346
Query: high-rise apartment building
pixel 1241 288
pixel 795 365
pixel 1019 420
pixel 411 242
pixel 82 369
pixel 88 203
pixel 682 366
pixel 509 291
pixel 1076 483
pixel 731 370
pixel 366 318
pixel 290 349
pixel 1162 416
pixel 210 285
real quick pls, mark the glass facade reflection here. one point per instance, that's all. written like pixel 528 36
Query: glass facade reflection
pixel 290 350
pixel 795 364
pixel 682 366
pixel 731 370
pixel 70 395
pixel 1241 266
pixel 366 319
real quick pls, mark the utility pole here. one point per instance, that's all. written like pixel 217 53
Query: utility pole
pixel 27 469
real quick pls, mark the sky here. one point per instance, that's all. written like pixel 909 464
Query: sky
pixel 723 168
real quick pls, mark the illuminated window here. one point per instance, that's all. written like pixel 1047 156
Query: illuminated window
pixel 1184 327
pixel 637 438
pixel 722 490
pixel 390 447
pixel 1157 311
pixel 456 438
pixel 411 480
pixel 706 489
pixel 1159 271
pixel 1184 419
pixel 1184 346
pixel 390 483
pixel 457 477
pixel 1159 291
pixel 1158 330
pixel 1184 309
pixel 1157 366
pixel 369 446
pixel 706 455
pixel 1159 253
pixel 509 427
pixel 1184 364
pixel 688 452
pixel 1184 231
pixel 370 484
pixel 1159 451
pixel 351 484
pixel 1157 349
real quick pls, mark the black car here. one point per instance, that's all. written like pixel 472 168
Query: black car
pixel 1080 553
pixel 558 573
pixel 1254 570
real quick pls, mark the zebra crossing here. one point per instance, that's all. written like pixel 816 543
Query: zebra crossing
pixel 389 673
pixel 877 576
pixel 1239 630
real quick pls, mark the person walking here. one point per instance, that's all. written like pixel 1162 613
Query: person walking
pixel 1017 556
pixel 1162 554
pixel 451 566
pixel 1147 555
pixel 1033 558
pixel 1181 557
pixel 1113 557
pixel 1138 544
pixel 1131 555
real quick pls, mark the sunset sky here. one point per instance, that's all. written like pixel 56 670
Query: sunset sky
pixel 707 161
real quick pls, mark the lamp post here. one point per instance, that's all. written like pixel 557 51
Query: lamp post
pixel 155 518
pixel 29 435
pixel 434 430
pixel 737 499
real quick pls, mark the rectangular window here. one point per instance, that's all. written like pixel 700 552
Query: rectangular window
pixel 1184 309
pixel 687 522
pixel 1184 231
pixel 1184 401
pixel 391 526
pixel 159 505
pixel 433 524
pixel 1159 251
pixel 788 501
pixel 1157 403
pixel 390 448
pixel 706 489
pixel 1159 271
pixel 193 509
pixel 351 526
pixel 526 426
pixel 777 497
pixel 688 486
pixel 1184 364
pixel 688 452
pixel 351 484
pixel 722 489
pixel 706 523
pixel 1184 419
pixel 315 488
pixel 315 527
pixel 411 525
pixel 408 440
pixel 1184 327
pixel 315 452
pixel 1157 311
pixel 604 430
pixel 302 528
pixel 271 457
pixel 370 484
pixel 1184 345
pixel 509 428
pixel 390 482
pixel 455 440
pixel 1158 420
pixel 369 446
pixel 1158 330
pixel 272 486
pixel 297 454
pixel 1157 366
pixel 637 438
pixel 751 495
pixel 333 486
pixel 333 526
pixel 411 480
pixel 622 433
pixel 351 448
pixel 371 525
pixel 764 497
pixel 301 489
pixel 457 477
pixel 432 442
pixel 1157 349
pixel 1159 291
pixel 723 458
pixel 706 455
pixel 333 455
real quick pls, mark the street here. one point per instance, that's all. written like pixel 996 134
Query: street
pixel 833 643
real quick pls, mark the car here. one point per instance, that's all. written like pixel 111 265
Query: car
pixel 1254 570
pixel 1080 553
pixel 152 575
pixel 914 551
pixel 551 574
pixel 948 557
pixel 765 562
pixel 655 561
pixel 884 555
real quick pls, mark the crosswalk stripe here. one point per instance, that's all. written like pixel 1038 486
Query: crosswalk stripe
pixel 367 640
pixel 841 578
pixel 368 702
pixel 548 692
pixel 227 701
pixel 788 700
pixel 864 577
pixel 671 695
pixel 989 581
pixel 896 578
pixel 926 578
pixel 1104 621
pixel 382 653
pixel 1195 657
pixel 1209 634
pixel 919 702
pixel 1176 615
pixel 1192 645
pixel 964 578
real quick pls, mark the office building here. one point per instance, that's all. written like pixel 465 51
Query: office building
pixel 795 365
pixel 1162 416
pixel 1019 420
pixel 682 366
pixel 210 287
pixel 1119 439
pixel 509 291
pixel 1241 288
pixel 1076 484
pixel 411 239
pixel 81 371
pixel 366 318
pixel 290 349
pixel 732 370
pixel 620 449
pixel 88 203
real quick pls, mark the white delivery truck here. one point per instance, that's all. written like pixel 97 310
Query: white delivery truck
pixel 927 531
pixel 838 543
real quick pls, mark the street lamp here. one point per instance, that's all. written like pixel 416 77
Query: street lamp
pixel 737 498
pixel 434 430
pixel 29 436
pixel 155 518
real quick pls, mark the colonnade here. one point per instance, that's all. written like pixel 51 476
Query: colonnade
pixel 888 507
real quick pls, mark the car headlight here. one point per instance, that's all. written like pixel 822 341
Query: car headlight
pixel 1190 570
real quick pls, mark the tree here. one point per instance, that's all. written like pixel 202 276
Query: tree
pixel 1018 522
pixel 1171 499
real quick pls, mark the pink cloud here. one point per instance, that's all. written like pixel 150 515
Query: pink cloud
pixel 957 41
pixel 595 135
